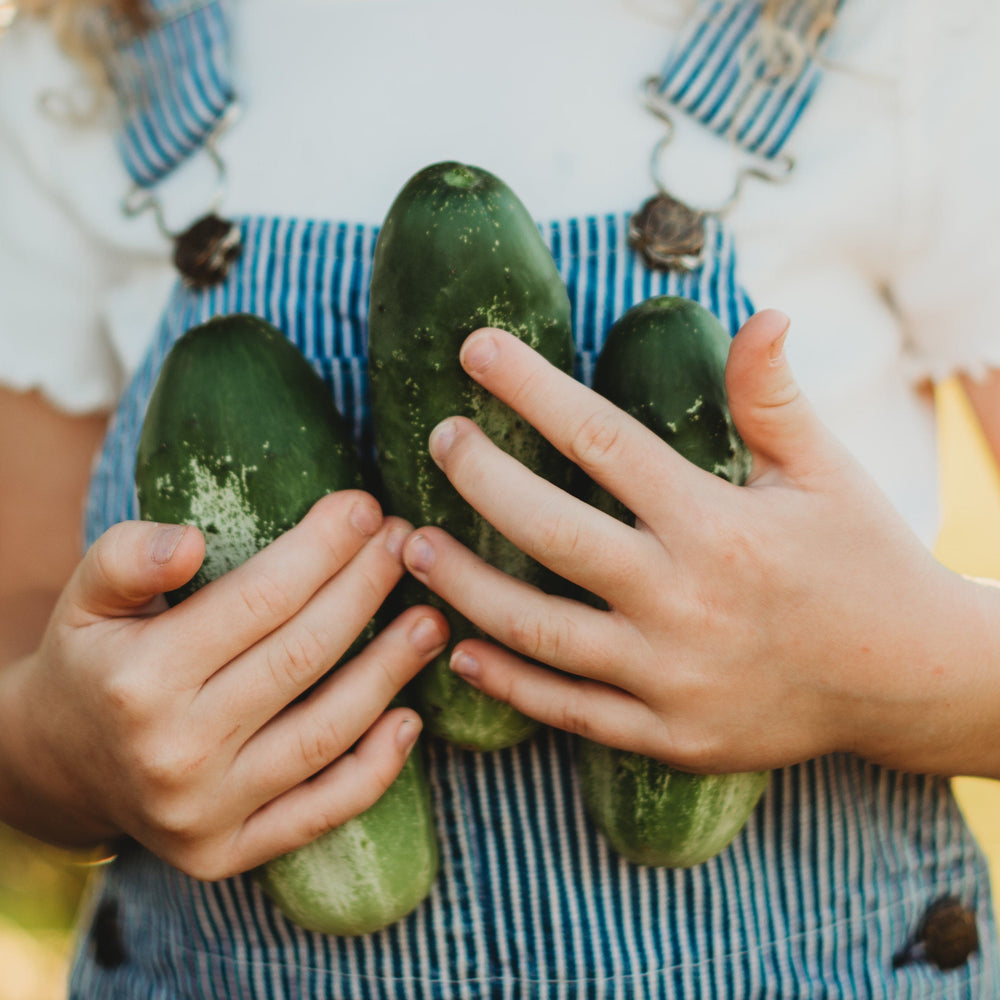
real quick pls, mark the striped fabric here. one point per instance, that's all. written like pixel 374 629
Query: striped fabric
pixel 721 71
pixel 816 898
pixel 173 85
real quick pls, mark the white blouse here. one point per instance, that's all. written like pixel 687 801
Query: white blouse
pixel 882 246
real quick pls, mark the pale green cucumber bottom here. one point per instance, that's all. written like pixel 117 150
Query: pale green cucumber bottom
pixel 653 814
pixel 455 711
pixel 367 873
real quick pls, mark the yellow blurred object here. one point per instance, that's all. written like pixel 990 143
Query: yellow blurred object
pixel 34 967
pixel 970 543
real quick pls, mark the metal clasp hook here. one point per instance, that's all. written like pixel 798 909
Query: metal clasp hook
pixel 774 170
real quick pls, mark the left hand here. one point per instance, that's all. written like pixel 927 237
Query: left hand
pixel 747 627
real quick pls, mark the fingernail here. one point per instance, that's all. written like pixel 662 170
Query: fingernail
pixel 426 635
pixel 777 348
pixel 441 439
pixel 478 352
pixel 419 555
pixel 465 665
pixel 407 733
pixel 164 542
pixel 364 518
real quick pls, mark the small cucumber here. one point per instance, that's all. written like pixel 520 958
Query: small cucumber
pixel 240 438
pixel 459 251
pixel 664 363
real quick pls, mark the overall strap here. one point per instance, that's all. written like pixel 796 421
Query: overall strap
pixel 743 77
pixel 173 84
pixel 748 78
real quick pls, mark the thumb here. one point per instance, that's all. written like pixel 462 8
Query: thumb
pixel 773 416
pixel 132 563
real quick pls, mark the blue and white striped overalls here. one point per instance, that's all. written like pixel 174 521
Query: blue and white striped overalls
pixel 820 896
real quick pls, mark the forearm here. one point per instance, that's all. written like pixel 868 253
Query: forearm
pixel 23 616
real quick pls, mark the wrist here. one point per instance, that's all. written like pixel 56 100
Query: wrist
pixel 941 712
pixel 30 796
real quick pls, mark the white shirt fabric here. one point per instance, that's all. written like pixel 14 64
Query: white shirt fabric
pixel 881 247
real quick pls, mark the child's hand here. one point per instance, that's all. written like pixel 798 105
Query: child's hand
pixel 749 627
pixel 176 726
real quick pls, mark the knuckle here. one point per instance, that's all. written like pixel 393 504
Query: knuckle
pixel 699 752
pixel 322 820
pixel 264 597
pixel 204 862
pixel 130 699
pixel 573 717
pixel 176 816
pixel 161 774
pixel 597 439
pixel 320 744
pixel 103 554
pixel 541 638
pixel 558 537
pixel 168 769
pixel 295 657
pixel 107 557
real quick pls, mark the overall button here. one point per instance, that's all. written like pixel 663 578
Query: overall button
pixel 106 935
pixel 948 933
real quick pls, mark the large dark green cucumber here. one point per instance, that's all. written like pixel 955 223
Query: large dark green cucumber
pixel 664 363
pixel 241 437
pixel 459 251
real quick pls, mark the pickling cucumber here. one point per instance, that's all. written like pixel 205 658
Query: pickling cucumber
pixel 664 363
pixel 241 437
pixel 459 251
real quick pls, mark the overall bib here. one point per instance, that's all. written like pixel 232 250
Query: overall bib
pixel 823 893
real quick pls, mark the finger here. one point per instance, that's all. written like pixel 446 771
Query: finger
pixel 580 543
pixel 343 790
pixel 251 689
pixel 771 413
pixel 311 734
pixel 554 630
pixel 131 564
pixel 597 711
pixel 604 441
pixel 238 609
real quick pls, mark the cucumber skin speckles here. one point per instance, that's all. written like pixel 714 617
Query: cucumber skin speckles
pixel 458 251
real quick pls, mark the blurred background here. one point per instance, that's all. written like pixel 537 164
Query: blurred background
pixel 41 890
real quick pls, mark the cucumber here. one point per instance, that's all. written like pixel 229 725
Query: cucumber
pixel 241 437
pixel 653 814
pixel 664 362
pixel 458 251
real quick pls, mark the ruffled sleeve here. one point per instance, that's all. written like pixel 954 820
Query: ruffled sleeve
pixel 61 278
pixel 51 333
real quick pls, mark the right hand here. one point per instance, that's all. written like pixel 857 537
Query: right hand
pixel 180 726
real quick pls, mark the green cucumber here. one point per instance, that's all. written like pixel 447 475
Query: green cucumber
pixel 664 363
pixel 241 437
pixel 367 873
pixel 458 251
